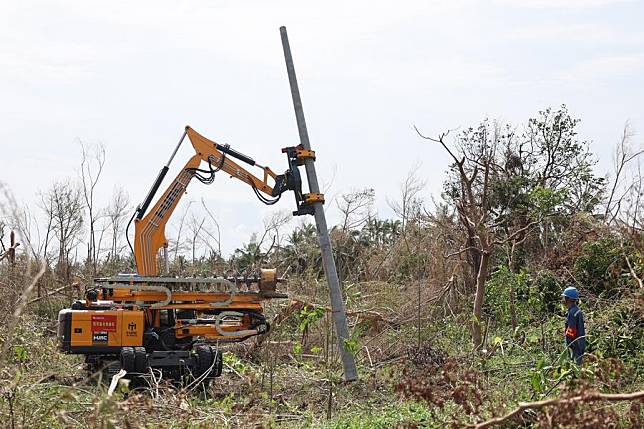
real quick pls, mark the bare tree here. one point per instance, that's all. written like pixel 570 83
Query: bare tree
pixel 630 224
pixel 64 204
pixel 91 167
pixel 182 219
pixel 632 217
pixel 273 224
pixel 356 208
pixel 195 226
pixel 474 171
pixel 45 202
pixel 624 155
pixel 254 253
pixel 2 229
pixel 410 203
pixel 8 253
pixel 116 213
pixel 212 236
pixel 22 220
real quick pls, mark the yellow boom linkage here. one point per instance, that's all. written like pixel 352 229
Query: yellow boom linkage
pixel 149 234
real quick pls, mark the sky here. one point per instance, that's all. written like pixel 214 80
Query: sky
pixel 131 75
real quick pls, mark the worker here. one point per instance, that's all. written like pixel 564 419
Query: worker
pixel 575 333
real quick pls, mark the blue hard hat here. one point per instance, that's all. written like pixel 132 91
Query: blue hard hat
pixel 571 292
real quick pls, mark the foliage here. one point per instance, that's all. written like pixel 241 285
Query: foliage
pixel 601 267
pixel 536 294
pixel 618 332
pixel 309 316
pixel 234 362
pixel 352 344
pixel 545 291
pixel 498 293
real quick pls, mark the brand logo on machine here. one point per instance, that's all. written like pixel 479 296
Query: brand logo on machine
pixel 103 323
pixel 100 337
pixel 131 330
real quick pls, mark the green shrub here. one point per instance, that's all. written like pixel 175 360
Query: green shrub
pixel 497 303
pixel 545 291
pixel 617 332
pixel 601 267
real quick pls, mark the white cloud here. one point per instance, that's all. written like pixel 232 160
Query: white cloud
pixel 560 4
pixel 603 70
pixel 578 33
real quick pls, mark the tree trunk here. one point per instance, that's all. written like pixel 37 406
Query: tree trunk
pixel 479 299
pixel 513 308
pixel 473 258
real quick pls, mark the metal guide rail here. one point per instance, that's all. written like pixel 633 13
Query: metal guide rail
pixel 166 292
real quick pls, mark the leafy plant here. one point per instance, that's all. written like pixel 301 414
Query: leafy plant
pixel 20 353
pixel 601 266
pixel 498 293
pixel 235 362
pixel 545 291
pixel 309 317
pixel 351 345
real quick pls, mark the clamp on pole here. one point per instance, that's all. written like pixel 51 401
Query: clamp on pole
pixel 312 197
pixel 302 154
pixel 291 180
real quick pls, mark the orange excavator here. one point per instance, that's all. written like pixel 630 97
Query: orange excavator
pixel 144 322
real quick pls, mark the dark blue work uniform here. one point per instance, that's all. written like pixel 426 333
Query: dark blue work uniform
pixel 575 333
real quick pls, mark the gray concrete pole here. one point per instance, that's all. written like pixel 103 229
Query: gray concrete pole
pixel 337 302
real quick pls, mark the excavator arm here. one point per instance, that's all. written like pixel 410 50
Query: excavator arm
pixel 149 234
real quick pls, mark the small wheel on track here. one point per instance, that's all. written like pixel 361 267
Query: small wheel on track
pixel 140 360
pixel 128 359
pixel 204 360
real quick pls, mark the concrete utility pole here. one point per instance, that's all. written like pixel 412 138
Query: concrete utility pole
pixel 337 302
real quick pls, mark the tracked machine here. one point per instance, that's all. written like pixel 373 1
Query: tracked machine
pixel 142 321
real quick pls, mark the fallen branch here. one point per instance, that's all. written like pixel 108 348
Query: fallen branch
pixel 639 281
pixel 115 381
pixel 10 253
pixel 297 305
pixel 53 292
pixel 429 301
pixel 589 397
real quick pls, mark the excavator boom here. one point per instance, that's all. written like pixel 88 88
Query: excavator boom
pixel 149 235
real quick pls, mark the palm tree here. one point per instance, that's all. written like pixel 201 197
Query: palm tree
pixel 245 258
